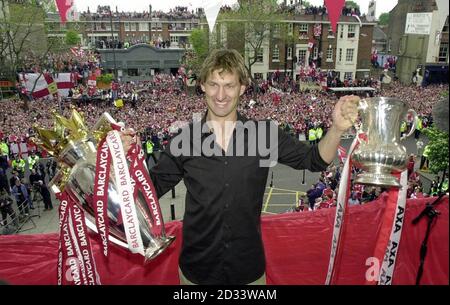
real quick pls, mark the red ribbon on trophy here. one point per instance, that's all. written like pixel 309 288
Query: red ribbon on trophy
pixel 388 237
pixel 138 179
pixel 76 263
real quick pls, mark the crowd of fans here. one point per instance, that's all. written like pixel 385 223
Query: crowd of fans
pixel 183 12
pixel 155 105
pixel 179 12
pixel 316 10
pixel 84 62
pixel 157 108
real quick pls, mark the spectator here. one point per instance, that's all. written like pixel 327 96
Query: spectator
pixel 6 208
pixel 22 197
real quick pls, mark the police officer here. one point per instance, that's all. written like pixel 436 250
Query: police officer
pixel 33 160
pixel 312 135
pixel 18 164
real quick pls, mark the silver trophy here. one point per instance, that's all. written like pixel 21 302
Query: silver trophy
pixel 75 149
pixel 381 153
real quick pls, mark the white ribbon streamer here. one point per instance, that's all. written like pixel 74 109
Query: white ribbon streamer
pixel 340 209
pixel 125 191
pixel 388 265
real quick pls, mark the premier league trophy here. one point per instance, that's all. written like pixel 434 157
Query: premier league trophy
pixel 381 153
pixel 75 148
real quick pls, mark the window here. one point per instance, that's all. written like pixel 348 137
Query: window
pixel 329 54
pixel 276 53
pixel 289 53
pixel 290 29
pixel 133 72
pixel 303 30
pixel 348 75
pixel 315 53
pixel 301 56
pixel 341 31
pixel 351 31
pixel 340 54
pixel 445 28
pixel 260 55
pixel 174 39
pixel 132 26
pixel 258 75
pixel 443 52
pixel 127 26
pixel 330 32
pixel 276 29
pixel 143 26
pixel 349 55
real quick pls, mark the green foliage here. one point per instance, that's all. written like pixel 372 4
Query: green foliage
pixel 106 78
pixel 384 19
pixel 351 4
pixel 444 93
pixel 72 38
pixel 194 59
pixel 199 41
pixel 439 151
pixel 250 25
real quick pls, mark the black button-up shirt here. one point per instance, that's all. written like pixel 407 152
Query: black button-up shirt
pixel 222 241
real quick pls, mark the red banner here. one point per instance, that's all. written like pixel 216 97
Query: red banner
pixel 334 8
pixel 31 258
pixel 63 8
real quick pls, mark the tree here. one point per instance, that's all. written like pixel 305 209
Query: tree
pixel 22 30
pixel 352 4
pixel 383 19
pixel 250 26
pixel 72 38
pixel 195 58
pixel 439 151
pixel 306 4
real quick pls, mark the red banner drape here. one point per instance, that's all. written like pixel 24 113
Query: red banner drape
pixel 297 249
pixel 334 9
pixel 63 7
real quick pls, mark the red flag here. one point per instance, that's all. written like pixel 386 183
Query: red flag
pixel 334 8
pixel 63 8
pixel 342 153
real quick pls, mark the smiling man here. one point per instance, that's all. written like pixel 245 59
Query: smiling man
pixel 222 242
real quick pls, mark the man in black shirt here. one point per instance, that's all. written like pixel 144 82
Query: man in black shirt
pixel 225 175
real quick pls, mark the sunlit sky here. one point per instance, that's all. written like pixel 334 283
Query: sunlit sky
pixel 382 6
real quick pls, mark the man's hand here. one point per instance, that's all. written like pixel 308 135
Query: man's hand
pixel 345 112
pixel 128 137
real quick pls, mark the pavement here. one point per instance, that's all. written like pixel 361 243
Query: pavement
pixel 287 185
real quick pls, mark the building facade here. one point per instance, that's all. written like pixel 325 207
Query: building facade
pixel 424 51
pixel 298 39
pixel 306 39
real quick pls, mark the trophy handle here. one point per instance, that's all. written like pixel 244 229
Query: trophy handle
pixel 362 106
pixel 413 127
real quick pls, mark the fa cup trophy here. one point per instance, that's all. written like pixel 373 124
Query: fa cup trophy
pixel 75 148
pixel 381 153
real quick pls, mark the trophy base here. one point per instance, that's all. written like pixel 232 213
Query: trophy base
pixel 151 253
pixel 377 180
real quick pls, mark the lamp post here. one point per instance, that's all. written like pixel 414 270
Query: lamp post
pixel 150 25
pixel 113 44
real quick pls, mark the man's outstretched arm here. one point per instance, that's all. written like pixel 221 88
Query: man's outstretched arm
pixel 344 115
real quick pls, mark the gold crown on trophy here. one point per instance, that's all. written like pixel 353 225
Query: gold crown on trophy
pixel 64 131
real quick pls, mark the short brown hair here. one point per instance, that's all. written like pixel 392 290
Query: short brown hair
pixel 225 60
